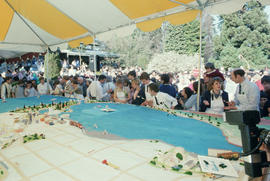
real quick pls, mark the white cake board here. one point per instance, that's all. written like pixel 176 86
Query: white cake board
pixel 212 165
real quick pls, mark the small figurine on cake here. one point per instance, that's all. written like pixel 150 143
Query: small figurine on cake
pixel 107 109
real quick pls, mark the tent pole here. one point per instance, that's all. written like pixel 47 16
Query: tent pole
pixel 47 68
pixel 183 4
pixel 95 58
pixel 80 55
pixel 26 23
pixel 199 63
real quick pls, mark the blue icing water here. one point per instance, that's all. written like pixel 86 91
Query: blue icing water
pixel 136 122
pixel 12 104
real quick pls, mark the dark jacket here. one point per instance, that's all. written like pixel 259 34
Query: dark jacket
pixel 140 97
pixel 169 89
pixel 208 96
pixel 264 111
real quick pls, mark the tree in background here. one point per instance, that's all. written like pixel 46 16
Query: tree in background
pixel 138 48
pixel 53 63
pixel 244 39
pixel 172 62
pixel 209 32
pixel 184 39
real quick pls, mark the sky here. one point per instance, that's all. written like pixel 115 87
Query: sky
pixel 267 10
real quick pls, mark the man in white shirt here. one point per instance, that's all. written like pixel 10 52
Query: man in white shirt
pixel 44 88
pixel 96 89
pixel 161 99
pixel 247 94
pixel 6 89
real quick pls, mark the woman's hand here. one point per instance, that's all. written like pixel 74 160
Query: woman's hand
pixel 109 91
pixel 231 104
pixel 137 88
pixel 230 108
pixel 181 102
pixel 206 103
pixel 150 103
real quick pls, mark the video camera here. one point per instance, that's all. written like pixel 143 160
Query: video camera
pixel 252 139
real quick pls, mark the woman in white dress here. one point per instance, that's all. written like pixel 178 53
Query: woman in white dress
pixel 121 93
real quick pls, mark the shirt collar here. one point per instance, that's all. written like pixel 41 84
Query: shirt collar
pixel 244 82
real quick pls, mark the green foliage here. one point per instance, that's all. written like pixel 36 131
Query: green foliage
pixel 138 48
pixel 244 39
pixel 188 173
pixel 175 168
pixel 171 61
pixel 222 165
pixel 153 162
pixel 180 166
pixel 179 156
pixel 184 39
pixel 52 62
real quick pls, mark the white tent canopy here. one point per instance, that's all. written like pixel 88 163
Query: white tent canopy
pixel 34 25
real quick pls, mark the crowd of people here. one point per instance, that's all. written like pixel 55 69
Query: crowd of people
pixel 218 92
